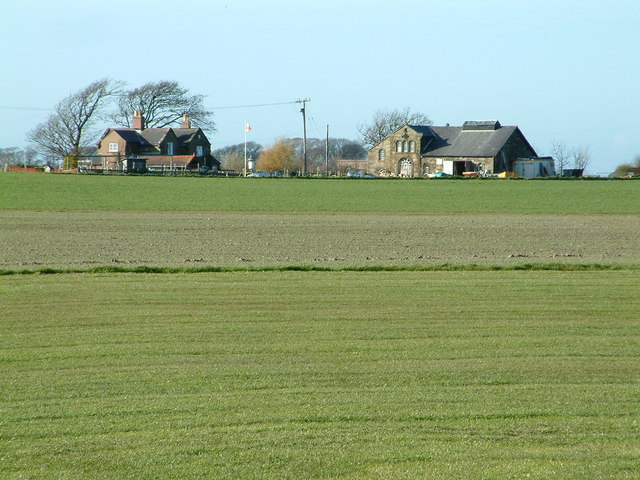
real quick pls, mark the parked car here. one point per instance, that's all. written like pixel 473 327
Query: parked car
pixel 259 174
pixel 359 173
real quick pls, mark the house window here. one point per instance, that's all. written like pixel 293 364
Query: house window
pixel 199 151
pixel 405 146
pixel 381 154
pixel 412 146
pixel 398 146
pixel 169 148
pixel 113 147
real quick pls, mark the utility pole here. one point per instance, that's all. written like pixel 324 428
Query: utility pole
pixel 303 110
pixel 326 155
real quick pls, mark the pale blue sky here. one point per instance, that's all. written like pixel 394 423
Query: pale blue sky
pixel 563 70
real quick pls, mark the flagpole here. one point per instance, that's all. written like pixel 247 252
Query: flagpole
pixel 245 148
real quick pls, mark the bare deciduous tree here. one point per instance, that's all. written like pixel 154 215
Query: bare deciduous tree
pixel 253 150
pixel 162 104
pixel 232 161
pixel 561 155
pixel 581 157
pixel 385 122
pixel 566 157
pixel 17 156
pixel 71 126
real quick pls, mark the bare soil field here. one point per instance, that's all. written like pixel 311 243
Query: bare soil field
pixel 34 240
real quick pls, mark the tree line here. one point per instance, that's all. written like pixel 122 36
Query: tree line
pixel 286 155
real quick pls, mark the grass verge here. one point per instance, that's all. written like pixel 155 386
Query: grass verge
pixel 446 267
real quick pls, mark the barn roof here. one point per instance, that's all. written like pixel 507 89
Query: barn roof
pixel 461 142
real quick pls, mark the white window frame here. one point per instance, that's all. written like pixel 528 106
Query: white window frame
pixel 170 148
pixel 199 151
pixel 113 147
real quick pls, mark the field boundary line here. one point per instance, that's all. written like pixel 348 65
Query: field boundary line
pixel 446 267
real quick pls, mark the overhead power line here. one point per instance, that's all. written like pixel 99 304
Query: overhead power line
pixel 252 106
pixel 9 107
pixel 13 107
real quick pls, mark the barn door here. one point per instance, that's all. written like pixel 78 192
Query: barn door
pixel 405 168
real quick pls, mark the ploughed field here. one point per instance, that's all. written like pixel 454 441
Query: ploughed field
pixel 33 240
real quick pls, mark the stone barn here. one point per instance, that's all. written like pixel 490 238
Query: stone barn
pixel 424 150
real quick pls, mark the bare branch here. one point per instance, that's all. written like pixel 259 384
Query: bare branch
pixel 385 122
pixel 71 126
pixel 162 104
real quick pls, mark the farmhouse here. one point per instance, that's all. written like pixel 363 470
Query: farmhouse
pixel 154 149
pixel 475 147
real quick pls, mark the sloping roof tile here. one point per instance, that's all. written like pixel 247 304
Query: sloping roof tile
pixel 154 135
pixel 130 135
pixel 456 142
pixel 185 135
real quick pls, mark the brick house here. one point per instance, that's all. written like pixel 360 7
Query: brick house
pixel 476 146
pixel 169 148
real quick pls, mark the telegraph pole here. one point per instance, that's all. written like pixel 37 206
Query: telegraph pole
pixel 303 110
pixel 326 154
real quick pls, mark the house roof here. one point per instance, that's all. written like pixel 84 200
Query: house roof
pixel 185 135
pixel 154 135
pixel 129 135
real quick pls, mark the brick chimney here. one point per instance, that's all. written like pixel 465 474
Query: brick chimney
pixel 186 123
pixel 138 120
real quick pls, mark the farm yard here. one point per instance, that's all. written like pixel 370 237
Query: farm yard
pixel 389 372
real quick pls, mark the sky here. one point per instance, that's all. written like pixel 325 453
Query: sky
pixel 562 70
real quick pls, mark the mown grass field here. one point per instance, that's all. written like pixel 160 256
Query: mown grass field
pixel 318 374
pixel 345 375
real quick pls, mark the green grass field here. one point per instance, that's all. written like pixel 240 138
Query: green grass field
pixel 277 374
pixel 117 193
pixel 320 375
